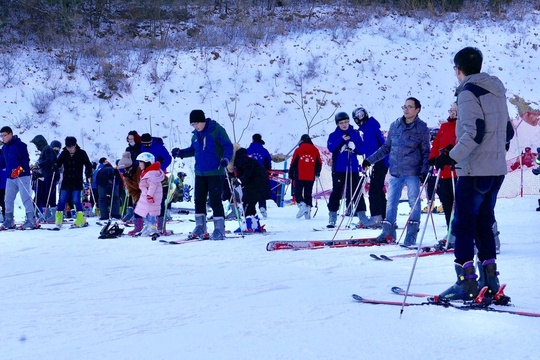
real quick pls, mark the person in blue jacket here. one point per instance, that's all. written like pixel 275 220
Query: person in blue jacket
pixel 213 150
pixel 3 179
pixel 370 131
pixel 258 152
pixel 408 147
pixel 345 144
pixel 16 161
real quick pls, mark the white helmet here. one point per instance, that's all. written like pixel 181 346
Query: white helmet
pixel 146 157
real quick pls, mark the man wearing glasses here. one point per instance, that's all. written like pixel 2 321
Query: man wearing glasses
pixel 16 160
pixel 408 148
pixel 482 133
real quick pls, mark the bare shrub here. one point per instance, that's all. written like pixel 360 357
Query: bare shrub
pixel 42 100
pixel 9 69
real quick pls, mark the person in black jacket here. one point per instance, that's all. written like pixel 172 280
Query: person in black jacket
pixel 255 187
pixel 44 171
pixel 73 159
pixel 109 184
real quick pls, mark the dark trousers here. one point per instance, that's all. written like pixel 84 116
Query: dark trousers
pixel 377 197
pixel 303 192
pixel 474 216
pixel 209 187
pixel 445 190
pixel 2 201
pixel 43 198
pixel 347 182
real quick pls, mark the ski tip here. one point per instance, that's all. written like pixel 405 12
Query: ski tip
pixel 357 297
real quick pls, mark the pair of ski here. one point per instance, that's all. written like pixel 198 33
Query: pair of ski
pixel 424 251
pixel 321 244
pixel 479 303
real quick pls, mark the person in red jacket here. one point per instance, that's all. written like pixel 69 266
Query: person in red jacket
pixel 306 164
pixel 446 137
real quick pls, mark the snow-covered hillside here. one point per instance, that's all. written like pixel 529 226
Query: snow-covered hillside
pixel 68 295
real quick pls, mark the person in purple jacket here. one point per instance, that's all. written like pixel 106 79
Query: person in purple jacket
pixel 345 144
pixel 258 152
pixel 16 160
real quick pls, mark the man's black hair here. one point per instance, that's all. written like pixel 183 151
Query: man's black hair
pixel 416 102
pixel 469 60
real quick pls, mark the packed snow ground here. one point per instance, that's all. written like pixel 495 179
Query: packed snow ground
pixel 69 295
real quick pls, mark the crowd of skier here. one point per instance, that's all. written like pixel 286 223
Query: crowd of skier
pixel 464 163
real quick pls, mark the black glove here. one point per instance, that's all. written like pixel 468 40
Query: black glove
pixel 175 152
pixel 224 162
pixel 366 164
pixel 443 160
pixel 423 178
pixel 432 161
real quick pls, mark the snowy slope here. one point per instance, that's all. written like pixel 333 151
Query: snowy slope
pixel 69 295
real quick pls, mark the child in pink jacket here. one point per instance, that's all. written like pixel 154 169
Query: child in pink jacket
pixel 149 205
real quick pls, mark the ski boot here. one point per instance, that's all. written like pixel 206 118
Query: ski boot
pixel 219 228
pixel 302 209
pixel 8 223
pixel 466 287
pixel 307 216
pixel 30 223
pixel 332 219
pixel 412 231
pixel 264 213
pixel 138 221
pixel 362 219
pixel 388 234
pixel 80 221
pixel 488 276
pixel 200 231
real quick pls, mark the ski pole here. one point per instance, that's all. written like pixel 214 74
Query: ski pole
pixel 430 210
pixel 238 217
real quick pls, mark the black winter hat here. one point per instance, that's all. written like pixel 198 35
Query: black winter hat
pixel 257 138
pixel 197 116
pixel 56 144
pixel 146 139
pixel 70 141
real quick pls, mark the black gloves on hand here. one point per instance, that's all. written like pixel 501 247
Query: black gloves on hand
pixel 366 164
pixel 175 152
pixel 432 161
pixel 443 160
pixel 224 162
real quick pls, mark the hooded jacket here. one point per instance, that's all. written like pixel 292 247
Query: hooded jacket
pixel 481 129
pixel 150 185
pixel 253 176
pixel 47 157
